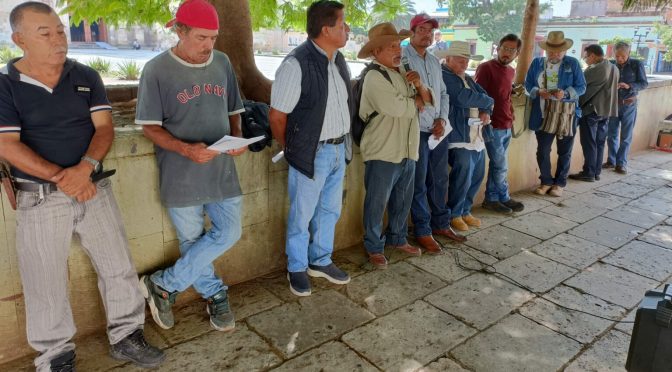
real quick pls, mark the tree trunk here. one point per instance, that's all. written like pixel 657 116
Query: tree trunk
pixel 235 39
pixel 530 20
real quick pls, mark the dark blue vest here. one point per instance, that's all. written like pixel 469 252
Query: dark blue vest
pixel 304 123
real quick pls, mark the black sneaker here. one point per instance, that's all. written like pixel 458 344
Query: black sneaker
pixel 299 283
pixel 515 206
pixel 582 177
pixel 160 302
pixel 64 362
pixel 496 206
pixel 221 316
pixel 134 348
pixel 607 165
pixel 597 177
pixel 330 272
pixel 621 169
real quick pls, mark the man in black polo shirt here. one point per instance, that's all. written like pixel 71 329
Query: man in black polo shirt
pixel 55 129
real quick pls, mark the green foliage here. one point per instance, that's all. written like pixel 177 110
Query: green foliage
pixel 287 14
pixel 644 4
pixel 128 70
pixel 615 40
pixel 665 35
pixel 494 18
pixel 9 53
pixel 101 65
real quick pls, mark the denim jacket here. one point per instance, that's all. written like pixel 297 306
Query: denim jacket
pixel 633 74
pixel 461 99
pixel 570 79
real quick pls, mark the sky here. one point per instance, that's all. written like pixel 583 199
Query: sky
pixel 561 8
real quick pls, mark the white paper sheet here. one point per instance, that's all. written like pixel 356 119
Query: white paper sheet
pixel 227 143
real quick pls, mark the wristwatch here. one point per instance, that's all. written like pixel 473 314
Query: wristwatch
pixel 96 164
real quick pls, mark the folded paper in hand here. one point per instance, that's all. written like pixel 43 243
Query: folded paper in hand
pixel 231 143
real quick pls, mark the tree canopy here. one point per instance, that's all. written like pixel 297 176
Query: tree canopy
pixel 285 14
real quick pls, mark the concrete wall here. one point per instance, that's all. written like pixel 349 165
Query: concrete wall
pixel 261 249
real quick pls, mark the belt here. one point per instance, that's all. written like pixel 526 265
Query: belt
pixel 49 187
pixel 334 141
pixel 627 101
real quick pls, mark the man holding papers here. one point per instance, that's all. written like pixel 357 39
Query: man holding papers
pixel 469 115
pixel 188 99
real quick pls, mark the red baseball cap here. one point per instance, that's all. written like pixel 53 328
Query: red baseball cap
pixel 196 13
pixel 423 18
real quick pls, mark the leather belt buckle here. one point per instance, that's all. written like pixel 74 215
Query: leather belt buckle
pixel 334 141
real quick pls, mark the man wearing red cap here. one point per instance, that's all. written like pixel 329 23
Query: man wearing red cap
pixel 429 211
pixel 188 98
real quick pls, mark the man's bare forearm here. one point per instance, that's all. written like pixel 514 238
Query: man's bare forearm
pixel 101 143
pixel 278 121
pixel 28 161
pixel 162 138
pixel 234 123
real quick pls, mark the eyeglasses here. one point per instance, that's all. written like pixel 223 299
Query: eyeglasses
pixel 509 50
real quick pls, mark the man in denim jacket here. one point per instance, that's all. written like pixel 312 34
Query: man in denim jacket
pixel 557 77
pixel 465 142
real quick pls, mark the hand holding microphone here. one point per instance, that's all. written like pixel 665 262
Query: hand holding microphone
pixel 411 76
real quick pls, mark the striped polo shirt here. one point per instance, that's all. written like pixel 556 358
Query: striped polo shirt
pixel 54 123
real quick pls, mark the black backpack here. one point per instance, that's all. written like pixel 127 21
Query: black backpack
pixel 255 123
pixel 357 124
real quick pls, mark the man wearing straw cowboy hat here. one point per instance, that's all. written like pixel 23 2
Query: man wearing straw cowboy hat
pixel 429 211
pixel 554 84
pixel 469 114
pixel 389 143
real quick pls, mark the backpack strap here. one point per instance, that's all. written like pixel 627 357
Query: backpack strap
pixel 386 75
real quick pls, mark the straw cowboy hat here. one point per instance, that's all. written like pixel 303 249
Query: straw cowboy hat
pixel 380 35
pixel 556 42
pixel 457 49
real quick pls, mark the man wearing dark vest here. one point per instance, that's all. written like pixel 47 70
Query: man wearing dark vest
pixel 311 107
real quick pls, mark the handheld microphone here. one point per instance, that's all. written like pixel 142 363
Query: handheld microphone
pixel 407 65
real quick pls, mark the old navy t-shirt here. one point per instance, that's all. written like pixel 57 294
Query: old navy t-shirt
pixel 192 102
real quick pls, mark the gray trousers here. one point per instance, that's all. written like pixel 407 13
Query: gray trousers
pixel 45 224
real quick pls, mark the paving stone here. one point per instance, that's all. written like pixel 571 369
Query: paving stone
pixel 601 199
pixel 276 283
pixel 607 232
pixel 612 284
pixel 516 344
pixel 351 260
pixel 664 192
pixel 579 187
pixel 657 172
pixel 540 225
pixel 382 291
pixel 659 235
pixel 330 357
pixel 642 258
pixel 579 326
pixel 667 166
pixel 653 204
pixel 627 324
pixel 655 157
pixel 488 218
pixel 249 298
pixel 668 221
pixel 644 180
pixel 241 350
pixel 571 250
pixel 297 326
pixel 534 202
pixel 480 299
pixel 535 272
pixel 399 342
pixel 191 321
pixel 446 266
pixel 636 216
pixel 574 210
pixel 625 190
pixel 608 354
pixel 640 164
pixel 443 365
pixel 500 241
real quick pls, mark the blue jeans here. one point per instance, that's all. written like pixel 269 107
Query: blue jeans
pixel 199 248
pixel 593 129
pixel 429 209
pixel 314 208
pixel 387 184
pixel 564 150
pixel 497 186
pixel 618 150
pixel 466 175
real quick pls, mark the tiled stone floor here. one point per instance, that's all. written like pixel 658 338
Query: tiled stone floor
pixel 596 249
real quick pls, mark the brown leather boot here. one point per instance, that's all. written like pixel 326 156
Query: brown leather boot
pixel 408 249
pixel 450 234
pixel 429 244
